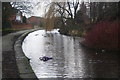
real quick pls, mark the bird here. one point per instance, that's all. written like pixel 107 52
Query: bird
pixel 44 58
pixel 36 34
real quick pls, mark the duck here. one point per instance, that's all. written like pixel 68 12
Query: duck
pixel 36 34
pixel 44 58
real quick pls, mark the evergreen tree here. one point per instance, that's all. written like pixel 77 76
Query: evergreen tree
pixel 24 19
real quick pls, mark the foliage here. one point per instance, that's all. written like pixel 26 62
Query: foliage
pixel 104 18
pixel 24 19
pixel 103 11
pixel 103 35
pixel 50 17
pixel 69 20
pixel 7 11
pixel 57 22
pixel 65 10
pixel 6 24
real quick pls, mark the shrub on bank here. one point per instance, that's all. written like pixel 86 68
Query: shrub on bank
pixel 103 35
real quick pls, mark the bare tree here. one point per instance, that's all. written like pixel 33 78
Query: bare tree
pixel 24 7
pixel 69 8
pixel 65 10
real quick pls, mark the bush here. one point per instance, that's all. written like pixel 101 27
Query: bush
pixel 103 35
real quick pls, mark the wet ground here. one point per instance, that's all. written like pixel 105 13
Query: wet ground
pixel 70 58
pixel 9 66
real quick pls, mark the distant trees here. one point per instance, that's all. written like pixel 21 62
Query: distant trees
pixel 11 11
pixel 7 11
pixel 67 11
pixel 103 11
pixel 105 21
pixel 25 7
pixel 24 19
pixel 73 16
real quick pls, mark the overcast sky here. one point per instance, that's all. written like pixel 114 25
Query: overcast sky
pixel 39 10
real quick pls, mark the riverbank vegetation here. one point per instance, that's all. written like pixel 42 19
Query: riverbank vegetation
pixel 103 35
pixel 97 22
pixel 104 32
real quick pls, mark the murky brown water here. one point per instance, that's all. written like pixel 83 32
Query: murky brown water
pixel 70 59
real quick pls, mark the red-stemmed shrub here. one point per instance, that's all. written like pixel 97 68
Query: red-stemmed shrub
pixel 103 35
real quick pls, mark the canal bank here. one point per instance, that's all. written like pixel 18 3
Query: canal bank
pixel 14 63
pixel 23 63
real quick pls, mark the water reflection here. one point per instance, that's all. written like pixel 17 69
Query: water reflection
pixel 70 60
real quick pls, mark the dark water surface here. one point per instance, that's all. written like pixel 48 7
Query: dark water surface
pixel 70 59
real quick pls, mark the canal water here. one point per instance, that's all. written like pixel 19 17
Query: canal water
pixel 70 59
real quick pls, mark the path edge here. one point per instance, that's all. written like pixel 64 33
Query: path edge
pixel 23 63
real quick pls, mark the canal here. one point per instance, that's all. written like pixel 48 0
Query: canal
pixel 69 58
